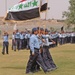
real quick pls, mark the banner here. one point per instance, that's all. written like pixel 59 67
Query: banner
pixel 25 10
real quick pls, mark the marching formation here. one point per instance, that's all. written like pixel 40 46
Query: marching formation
pixel 39 41
pixel 39 52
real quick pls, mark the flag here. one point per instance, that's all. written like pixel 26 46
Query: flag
pixel 22 1
pixel 25 10
pixel 43 5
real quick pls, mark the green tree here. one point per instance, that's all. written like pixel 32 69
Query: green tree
pixel 51 29
pixel 0 33
pixel 70 14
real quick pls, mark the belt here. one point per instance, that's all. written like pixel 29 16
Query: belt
pixel 17 38
pixel 36 48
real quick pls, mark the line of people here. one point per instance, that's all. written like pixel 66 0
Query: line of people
pixel 20 40
pixel 66 37
pixel 39 52
pixel 39 42
pixel 62 38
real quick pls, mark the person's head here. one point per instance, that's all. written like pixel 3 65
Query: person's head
pixel 5 34
pixel 35 31
pixel 46 31
pixel 42 31
pixel 38 29
pixel 13 32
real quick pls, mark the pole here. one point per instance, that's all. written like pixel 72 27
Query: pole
pixel 6 12
pixel 40 15
pixel 5 6
pixel 46 15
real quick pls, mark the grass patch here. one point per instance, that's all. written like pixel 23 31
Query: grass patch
pixel 15 63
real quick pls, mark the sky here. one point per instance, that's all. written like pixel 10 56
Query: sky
pixel 55 12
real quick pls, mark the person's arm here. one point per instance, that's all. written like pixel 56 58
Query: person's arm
pixel 53 42
pixel 32 45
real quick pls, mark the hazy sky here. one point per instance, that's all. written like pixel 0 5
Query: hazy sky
pixel 56 7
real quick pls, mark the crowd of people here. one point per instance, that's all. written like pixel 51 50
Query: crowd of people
pixel 39 41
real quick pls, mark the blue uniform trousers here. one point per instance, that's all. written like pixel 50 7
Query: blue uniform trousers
pixel 36 58
pixel 48 58
pixel 18 43
pixel 5 46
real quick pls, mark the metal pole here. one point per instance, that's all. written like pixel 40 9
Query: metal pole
pixel 6 13
pixel 46 16
pixel 5 6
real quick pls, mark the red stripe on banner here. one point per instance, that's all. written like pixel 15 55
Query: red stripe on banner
pixel 22 1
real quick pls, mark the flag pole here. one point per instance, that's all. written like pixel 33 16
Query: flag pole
pixel 44 25
pixel 5 5
pixel 40 15
pixel 46 16
pixel 6 12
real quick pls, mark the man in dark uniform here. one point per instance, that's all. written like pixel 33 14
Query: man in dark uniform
pixel 34 53
pixel 46 54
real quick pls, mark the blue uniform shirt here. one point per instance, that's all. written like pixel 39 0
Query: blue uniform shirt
pixel 5 38
pixel 46 43
pixel 34 42
pixel 21 36
pixel 40 40
pixel 17 36
pixel 28 35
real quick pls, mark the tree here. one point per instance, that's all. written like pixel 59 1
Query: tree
pixel 51 29
pixel 70 15
pixel 0 33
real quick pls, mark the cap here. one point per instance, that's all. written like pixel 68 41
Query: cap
pixel 46 30
pixel 41 29
pixel 34 29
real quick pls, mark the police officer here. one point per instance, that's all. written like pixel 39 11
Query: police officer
pixel 21 40
pixel 34 53
pixel 36 66
pixel 13 42
pixel 17 38
pixel 5 43
pixel 28 37
pixel 46 54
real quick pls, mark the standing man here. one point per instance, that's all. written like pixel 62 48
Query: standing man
pixel 47 58
pixel 34 53
pixel 17 38
pixel 5 43
pixel 21 40
pixel 13 42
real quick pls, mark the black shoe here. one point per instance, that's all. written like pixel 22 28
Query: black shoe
pixel 54 68
pixel 3 53
pixel 38 69
pixel 47 71
pixel 15 50
pixel 29 72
